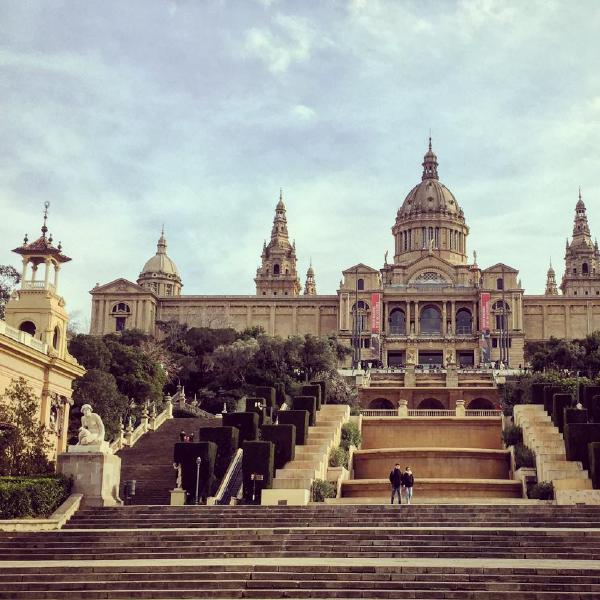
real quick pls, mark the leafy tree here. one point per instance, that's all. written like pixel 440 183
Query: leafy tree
pixel 25 449
pixel 90 351
pixel 232 361
pixel 316 356
pixel 99 389
pixel 9 277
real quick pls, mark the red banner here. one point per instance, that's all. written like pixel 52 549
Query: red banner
pixel 376 312
pixel 484 311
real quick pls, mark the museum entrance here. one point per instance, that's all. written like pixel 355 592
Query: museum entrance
pixel 431 358
pixel 395 358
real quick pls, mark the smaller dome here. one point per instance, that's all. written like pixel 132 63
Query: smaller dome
pixel 160 262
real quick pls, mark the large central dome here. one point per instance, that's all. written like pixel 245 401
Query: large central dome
pixel 430 219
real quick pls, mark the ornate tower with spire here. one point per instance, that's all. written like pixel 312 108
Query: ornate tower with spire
pixel 160 273
pixel 310 287
pixel 36 308
pixel 277 275
pixel 582 259
pixel 551 289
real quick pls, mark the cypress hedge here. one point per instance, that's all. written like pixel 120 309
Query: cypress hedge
pixel 594 460
pixel 537 393
pixel 313 390
pixel 246 422
pixel 186 453
pixel 549 391
pixel 227 441
pixel 594 409
pixel 577 437
pixel 299 418
pixel 284 440
pixel 574 415
pixel 323 385
pixel 259 457
pixel 587 395
pixel 309 404
pixel 32 496
pixel 268 393
pixel 258 406
pixel 559 403
pixel 279 393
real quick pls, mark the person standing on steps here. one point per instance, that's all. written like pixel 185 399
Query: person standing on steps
pixel 408 481
pixel 396 482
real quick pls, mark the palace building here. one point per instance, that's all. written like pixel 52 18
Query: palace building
pixel 430 304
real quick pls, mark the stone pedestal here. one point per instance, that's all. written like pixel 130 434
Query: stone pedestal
pixel 178 497
pixel 95 475
pixel 460 408
pixel 403 407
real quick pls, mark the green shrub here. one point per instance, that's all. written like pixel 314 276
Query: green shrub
pixel 350 435
pixel 313 390
pixel 512 435
pixel 32 496
pixel 268 394
pixel 524 457
pixel 323 385
pixel 309 404
pixel 338 457
pixel 541 491
pixel 246 422
pixel 322 489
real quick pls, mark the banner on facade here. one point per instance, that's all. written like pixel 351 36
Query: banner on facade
pixel 376 313
pixel 484 311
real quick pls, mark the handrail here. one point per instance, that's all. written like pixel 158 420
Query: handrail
pixel 232 480
pixel 428 412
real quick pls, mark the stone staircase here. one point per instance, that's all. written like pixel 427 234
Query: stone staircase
pixel 543 552
pixel 312 459
pixel 570 480
pixel 150 460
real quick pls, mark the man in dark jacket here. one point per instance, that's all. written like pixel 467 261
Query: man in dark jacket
pixel 396 482
pixel 408 481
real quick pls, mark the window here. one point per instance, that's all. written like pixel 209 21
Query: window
pixel 56 338
pixel 500 283
pixel 397 322
pixel 169 289
pixel 120 323
pixel 431 320
pixel 122 307
pixel 28 327
pixel 574 270
pixel 464 322
pixel 275 269
pixel 585 269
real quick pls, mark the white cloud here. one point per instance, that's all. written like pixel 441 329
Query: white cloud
pixel 303 112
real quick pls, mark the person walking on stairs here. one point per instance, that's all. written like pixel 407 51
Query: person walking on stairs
pixel 396 482
pixel 408 481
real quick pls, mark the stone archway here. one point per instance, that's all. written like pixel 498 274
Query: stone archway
pixel 430 404
pixel 381 404
pixel 481 404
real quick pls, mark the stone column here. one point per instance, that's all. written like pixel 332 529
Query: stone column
pixel 444 318
pixel 453 316
pixel 417 328
pixel 24 271
pixel 408 331
pixel 46 272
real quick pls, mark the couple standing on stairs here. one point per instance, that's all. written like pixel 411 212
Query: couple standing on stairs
pixel 400 481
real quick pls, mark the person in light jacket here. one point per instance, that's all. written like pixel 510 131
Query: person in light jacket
pixel 408 480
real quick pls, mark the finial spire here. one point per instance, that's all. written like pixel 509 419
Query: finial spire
pixel 44 228
pixel 281 193
pixel 430 139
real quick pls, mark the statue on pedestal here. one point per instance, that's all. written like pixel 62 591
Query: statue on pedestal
pixel 92 428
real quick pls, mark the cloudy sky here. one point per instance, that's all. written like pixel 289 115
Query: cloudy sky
pixel 127 114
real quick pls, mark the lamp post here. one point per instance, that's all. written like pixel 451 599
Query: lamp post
pixel 255 477
pixel 198 463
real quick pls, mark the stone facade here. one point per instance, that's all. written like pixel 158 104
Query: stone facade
pixel 33 339
pixel 430 305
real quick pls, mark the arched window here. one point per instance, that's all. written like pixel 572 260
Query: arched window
pixel 397 322
pixel 585 269
pixel 500 283
pixel 481 404
pixel 430 404
pixel 28 327
pixel 381 404
pixel 121 307
pixel 56 338
pixel 360 284
pixel 464 322
pixel 275 269
pixel 431 320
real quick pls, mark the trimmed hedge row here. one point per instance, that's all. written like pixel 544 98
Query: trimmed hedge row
pixel 258 458
pixel 32 496
pixel 246 422
pixel 299 418
pixel 268 394
pixel 186 453
pixel 549 391
pixel 313 390
pixel 560 402
pixel 227 441
pixel 323 385
pixel 283 438
pixel 309 404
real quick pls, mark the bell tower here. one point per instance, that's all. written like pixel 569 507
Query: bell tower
pixel 277 275
pixel 36 307
pixel 582 258
pixel 310 287
pixel 551 289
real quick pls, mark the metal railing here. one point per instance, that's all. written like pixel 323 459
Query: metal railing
pixel 378 412
pixel 430 412
pixel 232 481
pixel 483 413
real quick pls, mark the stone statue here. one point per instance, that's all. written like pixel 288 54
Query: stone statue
pixel 431 246
pixel 385 258
pixel 449 357
pixel 177 467
pixel 410 357
pixel 92 430
pixel 475 257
